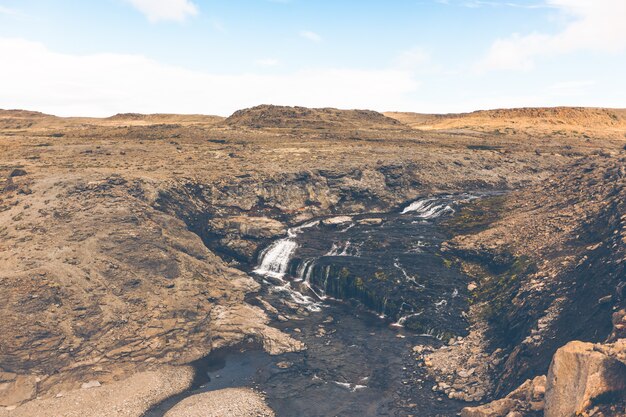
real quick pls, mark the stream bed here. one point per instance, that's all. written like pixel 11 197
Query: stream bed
pixel 360 292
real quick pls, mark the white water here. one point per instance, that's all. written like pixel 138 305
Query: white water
pixel 274 263
pixel 275 259
pixel 396 263
pixel 403 319
pixel 351 387
pixel 343 249
pixel 428 208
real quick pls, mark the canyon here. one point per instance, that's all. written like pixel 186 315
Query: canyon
pixel 146 259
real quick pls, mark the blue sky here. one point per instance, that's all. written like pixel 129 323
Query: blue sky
pixel 208 56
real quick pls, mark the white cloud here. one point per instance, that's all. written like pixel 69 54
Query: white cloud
pixel 571 88
pixel 596 25
pixel 158 10
pixel 267 62
pixel 13 13
pixel 105 84
pixel 8 11
pixel 312 36
pixel 414 58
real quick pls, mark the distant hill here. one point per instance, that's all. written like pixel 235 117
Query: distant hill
pixel 547 119
pixel 268 116
pixel 163 118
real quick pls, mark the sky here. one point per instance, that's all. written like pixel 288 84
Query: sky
pixel 102 57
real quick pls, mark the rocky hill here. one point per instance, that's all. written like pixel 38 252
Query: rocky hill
pixel 555 121
pixel 267 116
pixel 121 237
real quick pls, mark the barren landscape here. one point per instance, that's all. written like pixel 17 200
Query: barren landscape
pixel 129 245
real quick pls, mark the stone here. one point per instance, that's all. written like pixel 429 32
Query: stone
pixel 370 222
pixel 465 373
pixel 579 372
pixel 529 396
pixel 21 388
pixel 499 408
pixel 246 226
pixel 91 384
pixel 18 172
pixel 284 364
pixel 471 286
pixel 337 221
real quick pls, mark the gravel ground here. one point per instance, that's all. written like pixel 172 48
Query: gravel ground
pixel 240 402
pixel 130 397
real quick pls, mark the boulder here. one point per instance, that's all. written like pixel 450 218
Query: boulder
pixel 337 221
pixel 251 227
pixel 581 373
pixel 529 397
pixel 371 222
pixel 15 389
pixel 17 172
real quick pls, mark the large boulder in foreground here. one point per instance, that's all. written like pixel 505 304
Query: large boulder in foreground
pixel 584 379
pixel 584 374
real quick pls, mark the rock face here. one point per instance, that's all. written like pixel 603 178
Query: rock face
pixel 241 236
pixel 583 375
pixel 552 268
pixel 253 227
pixel 122 287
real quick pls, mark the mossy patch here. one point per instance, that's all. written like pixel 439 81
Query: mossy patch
pixel 496 292
pixel 475 215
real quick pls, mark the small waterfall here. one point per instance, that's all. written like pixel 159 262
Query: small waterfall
pixel 428 208
pixel 274 263
pixel 275 259
pixel 339 250
pixel 403 319
pixel 410 278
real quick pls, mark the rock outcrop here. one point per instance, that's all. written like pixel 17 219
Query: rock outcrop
pixel 584 379
pixel 583 376
pixel 267 116
pixel 527 400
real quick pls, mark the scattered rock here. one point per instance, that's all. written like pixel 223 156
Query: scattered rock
pixel 17 173
pixel 91 384
pixel 337 221
pixel 284 365
pixel 371 222
pixel 527 398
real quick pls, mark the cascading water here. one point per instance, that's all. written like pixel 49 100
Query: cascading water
pixel 353 366
pixel 393 265
pixel 428 208
pixel 275 259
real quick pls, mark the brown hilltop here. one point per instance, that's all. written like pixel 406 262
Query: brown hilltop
pixel 163 118
pixel 268 116
pixel 564 121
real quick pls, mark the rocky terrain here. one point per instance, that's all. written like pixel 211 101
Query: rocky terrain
pixel 122 241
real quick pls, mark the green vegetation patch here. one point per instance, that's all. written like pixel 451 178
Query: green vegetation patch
pixel 476 215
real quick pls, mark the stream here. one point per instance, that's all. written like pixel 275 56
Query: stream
pixel 360 291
